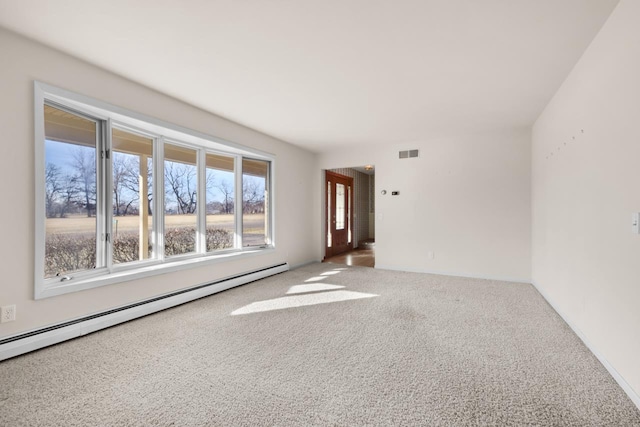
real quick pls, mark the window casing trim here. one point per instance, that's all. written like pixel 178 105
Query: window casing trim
pixel 161 132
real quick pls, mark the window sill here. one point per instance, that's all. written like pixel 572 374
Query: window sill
pixel 119 276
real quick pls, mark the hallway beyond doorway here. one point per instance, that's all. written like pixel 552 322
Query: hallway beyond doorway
pixel 357 257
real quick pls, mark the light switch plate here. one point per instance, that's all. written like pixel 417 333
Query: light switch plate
pixel 635 222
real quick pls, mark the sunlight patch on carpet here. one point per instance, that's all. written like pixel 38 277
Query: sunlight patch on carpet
pixel 300 289
pixel 315 279
pixel 329 273
pixel 300 301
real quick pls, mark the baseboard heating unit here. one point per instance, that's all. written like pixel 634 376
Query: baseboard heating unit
pixel 39 338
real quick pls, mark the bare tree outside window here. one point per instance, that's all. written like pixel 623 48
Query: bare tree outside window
pixel 126 169
pixel 181 200
pixel 226 190
pixel 84 166
pixel 181 183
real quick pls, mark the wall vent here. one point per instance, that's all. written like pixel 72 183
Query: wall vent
pixel 407 154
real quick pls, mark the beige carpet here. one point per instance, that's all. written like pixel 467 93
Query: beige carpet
pixel 376 348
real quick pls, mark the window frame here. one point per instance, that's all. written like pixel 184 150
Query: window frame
pixel 111 117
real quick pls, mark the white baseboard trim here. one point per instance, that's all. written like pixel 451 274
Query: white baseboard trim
pixel 450 273
pixel 304 264
pixel 633 395
pixel 33 340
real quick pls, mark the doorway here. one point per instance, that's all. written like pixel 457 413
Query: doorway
pixel 339 213
pixel 359 250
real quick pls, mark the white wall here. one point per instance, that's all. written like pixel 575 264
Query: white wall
pixel 23 62
pixel 585 258
pixel 466 199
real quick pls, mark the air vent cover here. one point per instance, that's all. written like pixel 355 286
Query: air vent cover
pixel 407 154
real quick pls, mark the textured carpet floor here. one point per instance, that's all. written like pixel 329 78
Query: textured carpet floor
pixel 387 348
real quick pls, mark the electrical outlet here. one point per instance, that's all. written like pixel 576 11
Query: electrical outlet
pixel 7 313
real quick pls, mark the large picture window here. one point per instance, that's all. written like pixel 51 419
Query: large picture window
pixel 120 198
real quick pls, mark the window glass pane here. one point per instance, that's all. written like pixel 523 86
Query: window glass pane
pixel 132 166
pixel 70 192
pixel 255 218
pixel 340 208
pixel 180 207
pixel 220 179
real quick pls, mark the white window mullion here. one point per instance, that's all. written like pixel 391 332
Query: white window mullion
pixel 201 242
pixel 107 198
pixel 102 228
pixel 158 204
pixel 269 207
pixel 237 202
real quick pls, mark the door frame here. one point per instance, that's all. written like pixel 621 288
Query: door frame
pixel 328 252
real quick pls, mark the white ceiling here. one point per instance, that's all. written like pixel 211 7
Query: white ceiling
pixel 325 73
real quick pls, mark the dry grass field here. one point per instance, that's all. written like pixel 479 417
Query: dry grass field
pixel 253 224
pixel 82 224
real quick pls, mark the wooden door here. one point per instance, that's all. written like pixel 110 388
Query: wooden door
pixel 339 213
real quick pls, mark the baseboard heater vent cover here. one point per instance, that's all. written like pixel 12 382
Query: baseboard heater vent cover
pixel 33 340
